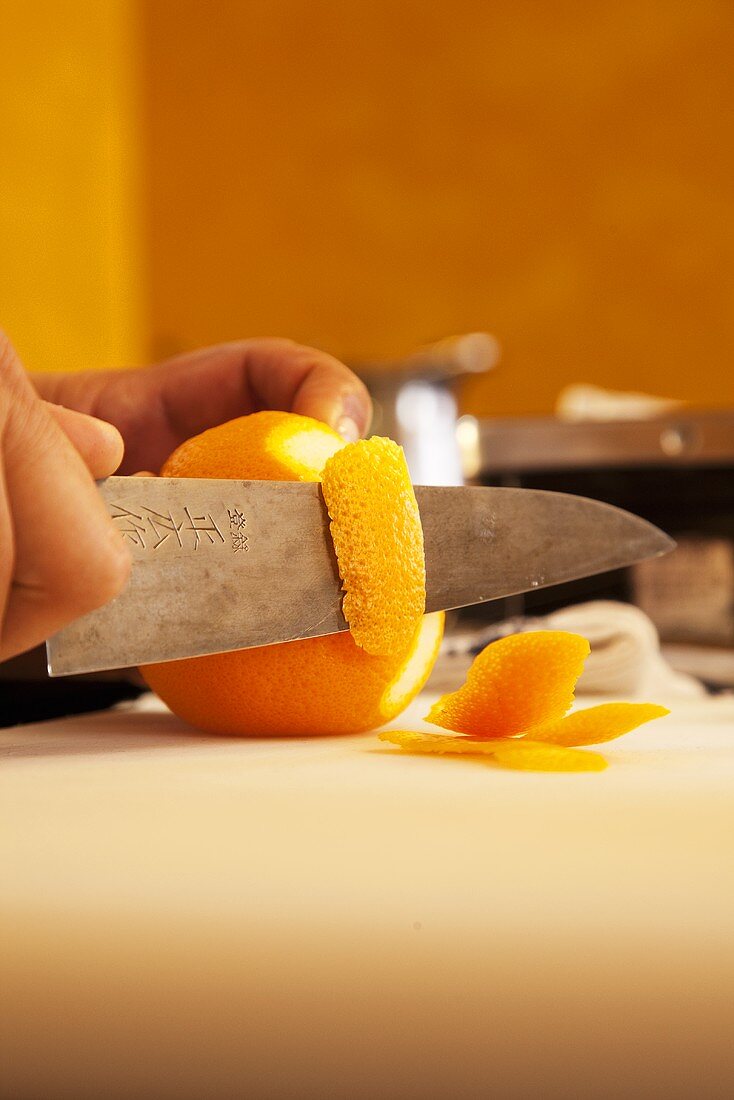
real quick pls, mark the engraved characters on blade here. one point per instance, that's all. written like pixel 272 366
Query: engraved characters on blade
pixel 148 529
pixel 237 524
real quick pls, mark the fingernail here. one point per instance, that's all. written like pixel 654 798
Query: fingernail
pixel 348 429
pixel 112 433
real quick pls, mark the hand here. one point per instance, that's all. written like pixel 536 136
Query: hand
pixel 60 554
pixel 159 407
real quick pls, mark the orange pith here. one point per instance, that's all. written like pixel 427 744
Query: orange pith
pixel 378 538
pixel 322 685
pixel 491 712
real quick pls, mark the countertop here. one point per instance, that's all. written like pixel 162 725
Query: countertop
pixel 188 916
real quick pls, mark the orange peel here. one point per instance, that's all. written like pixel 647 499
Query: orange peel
pixel 514 684
pixel 595 725
pixel 515 678
pixel 378 539
pixel 537 757
pixel 514 752
pixel 441 743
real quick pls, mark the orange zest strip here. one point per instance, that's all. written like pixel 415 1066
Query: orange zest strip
pixel 440 743
pixel 597 724
pixel 512 752
pixel 510 684
pixel 535 756
pixel 515 684
pixel 378 539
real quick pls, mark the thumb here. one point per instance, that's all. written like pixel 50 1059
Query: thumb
pixel 99 443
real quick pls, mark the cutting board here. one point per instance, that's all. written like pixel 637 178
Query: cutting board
pixel 184 916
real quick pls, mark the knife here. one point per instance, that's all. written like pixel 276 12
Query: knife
pixel 222 564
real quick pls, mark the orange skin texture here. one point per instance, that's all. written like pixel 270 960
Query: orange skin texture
pixel 514 684
pixel 382 563
pixel 304 688
pixel 519 753
pixel 520 688
pixel 307 688
pixel 248 448
pixel 595 725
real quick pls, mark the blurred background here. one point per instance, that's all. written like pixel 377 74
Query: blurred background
pixel 373 175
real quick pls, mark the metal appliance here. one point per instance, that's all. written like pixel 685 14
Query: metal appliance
pixel 674 469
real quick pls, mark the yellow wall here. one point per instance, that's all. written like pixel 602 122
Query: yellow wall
pixel 71 293
pixel 371 174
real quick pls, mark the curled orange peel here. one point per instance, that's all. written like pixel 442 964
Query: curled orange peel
pixel 516 683
pixel 378 539
pixel 511 679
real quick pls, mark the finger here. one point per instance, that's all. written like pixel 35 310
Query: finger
pixel 68 557
pixel 99 443
pixel 7 554
pixel 284 375
pixel 216 384
pixel 197 391
pixel 158 408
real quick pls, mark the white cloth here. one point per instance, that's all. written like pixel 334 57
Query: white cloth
pixel 625 652
pixel 625 657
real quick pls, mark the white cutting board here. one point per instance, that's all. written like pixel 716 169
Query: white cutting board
pixel 194 917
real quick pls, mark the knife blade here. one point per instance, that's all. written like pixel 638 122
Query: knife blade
pixel 222 564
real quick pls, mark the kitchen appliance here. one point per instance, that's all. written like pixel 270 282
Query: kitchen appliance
pixel 675 469
pixel 415 402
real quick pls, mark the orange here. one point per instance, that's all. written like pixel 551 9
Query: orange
pixel 381 560
pixel 266 446
pixel 323 685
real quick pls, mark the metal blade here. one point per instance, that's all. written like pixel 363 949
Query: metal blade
pixel 217 565
pixel 486 543
pixel 221 565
